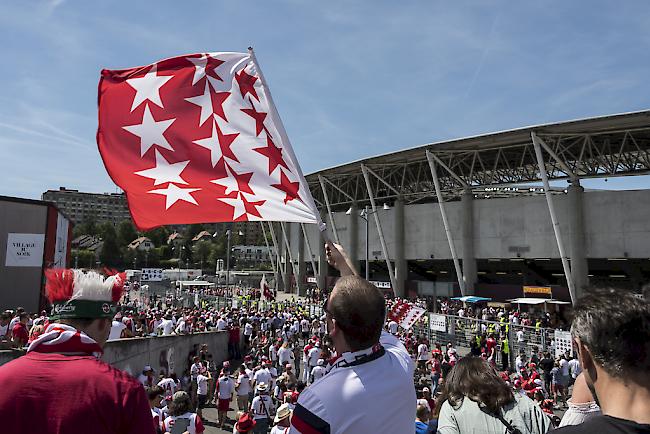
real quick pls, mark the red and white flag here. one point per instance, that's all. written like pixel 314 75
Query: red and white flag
pixel 264 288
pixel 197 139
pixel 405 314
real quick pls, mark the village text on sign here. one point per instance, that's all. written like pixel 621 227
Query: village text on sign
pixel 24 250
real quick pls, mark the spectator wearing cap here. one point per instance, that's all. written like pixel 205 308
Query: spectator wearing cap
pixel 282 420
pixel 244 424
pixel 262 408
pixel 181 414
pixel 611 329
pixel 147 377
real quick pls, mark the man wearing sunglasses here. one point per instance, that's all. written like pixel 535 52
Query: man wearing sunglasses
pixel 369 387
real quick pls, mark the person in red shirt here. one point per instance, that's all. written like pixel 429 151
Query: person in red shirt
pixel 19 334
pixel 60 386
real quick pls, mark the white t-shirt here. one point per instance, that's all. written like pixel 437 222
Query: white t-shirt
pixel 169 385
pixel 263 376
pixel 248 329
pixel 423 352
pixel 348 390
pixel 520 336
pixel 393 327
pixel 3 329
pixel 304 326
pixel 258 408
pixel 280 430
pixel 318 372
pixel 226 387
pixel 244 382
pixel 194 370
pixel 201 384
pixel 167 326
pixel 222 324
pixel 181 326
pixel 313 356
pixel 116 330
pixel 169 422
pixel 575 368
pixel 285 355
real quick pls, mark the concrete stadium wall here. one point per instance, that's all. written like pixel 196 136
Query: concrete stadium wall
pixel 616 224
pixel 163 353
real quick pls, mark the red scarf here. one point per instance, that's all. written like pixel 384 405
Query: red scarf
pixel 65 339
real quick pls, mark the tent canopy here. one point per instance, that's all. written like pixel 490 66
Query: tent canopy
pixel 533 301
pixel 471 299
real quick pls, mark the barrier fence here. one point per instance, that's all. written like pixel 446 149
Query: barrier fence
pixel 437 328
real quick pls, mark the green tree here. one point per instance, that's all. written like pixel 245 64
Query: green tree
pixel 126 233
pixel 158 235
pixel 201 251
pixel 110 253
pixel 82 258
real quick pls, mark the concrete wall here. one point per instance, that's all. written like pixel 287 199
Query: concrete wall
pixel 162 352
pixel 20 286
pixel 616 225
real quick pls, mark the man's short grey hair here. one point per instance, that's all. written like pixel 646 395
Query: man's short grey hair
pixel 615 326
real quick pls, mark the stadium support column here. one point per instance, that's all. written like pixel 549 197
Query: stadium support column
pixel 322 261
pixel 353 224
pixel 401 267
pixel 302 263
pixel 579 266
pixel 469 261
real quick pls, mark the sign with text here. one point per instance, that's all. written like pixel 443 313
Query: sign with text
pixel 537 290
pixel 312 280
pixel 25 250
pixel 381 285
pixel 151 275
pixel 437 323
pixel 563 343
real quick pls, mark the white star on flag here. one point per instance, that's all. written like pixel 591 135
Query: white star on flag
pixel 199 67
pixel 165 171
pixel 212 143
pixel 236 203
pixel 150 131
pixel 173 194
pixel 205 102
pixel 229 182
pixel 148 87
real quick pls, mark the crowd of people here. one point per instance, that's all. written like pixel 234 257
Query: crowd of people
pixel 349 369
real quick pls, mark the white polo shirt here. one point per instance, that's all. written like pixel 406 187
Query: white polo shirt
pixel 338 402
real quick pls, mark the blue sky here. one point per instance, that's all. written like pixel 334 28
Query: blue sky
pixel 350 78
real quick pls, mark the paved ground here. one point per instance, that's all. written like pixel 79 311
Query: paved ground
pixel 210 419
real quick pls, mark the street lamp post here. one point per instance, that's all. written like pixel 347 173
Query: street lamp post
pixel 228 232
pixel 365 215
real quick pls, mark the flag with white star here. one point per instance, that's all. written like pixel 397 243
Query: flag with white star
pixel 197 139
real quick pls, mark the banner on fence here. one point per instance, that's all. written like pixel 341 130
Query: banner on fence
pixel 563 343
pixel 437 323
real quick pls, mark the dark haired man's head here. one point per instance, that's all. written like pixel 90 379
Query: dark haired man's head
pixel 612 331
pixel 614 326
pixel 358 310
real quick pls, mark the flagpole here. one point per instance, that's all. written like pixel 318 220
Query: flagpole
pixel 273 112
pixel 273 260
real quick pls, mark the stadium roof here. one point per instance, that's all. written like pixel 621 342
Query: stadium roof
pixel 606 146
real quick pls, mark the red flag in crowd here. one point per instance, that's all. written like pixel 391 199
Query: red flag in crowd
pixel 197 139
pixel 264 288
pixel 405 314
